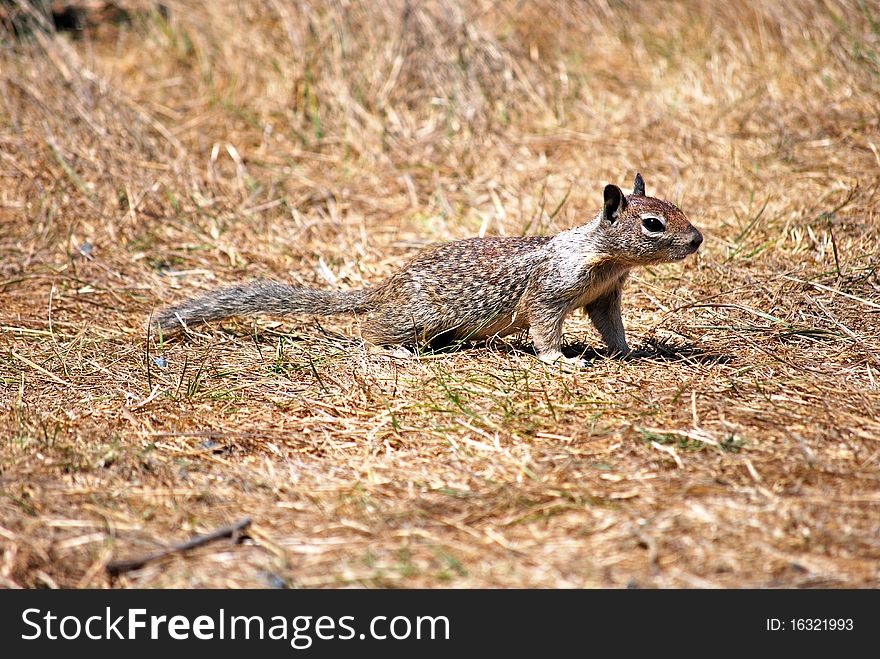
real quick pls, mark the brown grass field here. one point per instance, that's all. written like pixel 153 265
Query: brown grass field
pixel 146 160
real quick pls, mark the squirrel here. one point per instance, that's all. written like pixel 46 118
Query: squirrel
pixel 478 288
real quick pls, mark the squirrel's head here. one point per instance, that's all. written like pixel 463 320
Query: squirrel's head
pixel 644 229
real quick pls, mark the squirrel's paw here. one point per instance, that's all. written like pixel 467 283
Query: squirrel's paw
pixel 567 363
pixel 619 352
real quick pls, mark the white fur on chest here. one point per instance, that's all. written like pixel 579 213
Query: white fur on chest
pixel 599 288
pixel 581 267
pixel 573 252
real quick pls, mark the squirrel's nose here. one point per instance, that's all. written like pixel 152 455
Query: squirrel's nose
pixel 697 240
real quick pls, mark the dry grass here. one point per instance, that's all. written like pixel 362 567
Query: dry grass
pixel 323 142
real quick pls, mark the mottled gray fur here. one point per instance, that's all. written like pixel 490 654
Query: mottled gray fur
pixel 483 287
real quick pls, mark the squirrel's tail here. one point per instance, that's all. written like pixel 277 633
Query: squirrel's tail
pixel 260 297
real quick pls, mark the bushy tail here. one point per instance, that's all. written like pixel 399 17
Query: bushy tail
pixel 259 297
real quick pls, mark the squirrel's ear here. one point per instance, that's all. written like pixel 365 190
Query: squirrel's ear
pixel 615 203
pixel 639 186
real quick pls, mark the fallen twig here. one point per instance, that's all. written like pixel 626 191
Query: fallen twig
pixel 115 568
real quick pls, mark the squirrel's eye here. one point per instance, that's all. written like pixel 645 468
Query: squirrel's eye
pixel 653 224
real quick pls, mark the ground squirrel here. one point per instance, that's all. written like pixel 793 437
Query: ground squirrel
pixel 482 287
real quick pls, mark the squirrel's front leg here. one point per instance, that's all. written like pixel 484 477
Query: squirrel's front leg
pixel 545 328
pixel 605 314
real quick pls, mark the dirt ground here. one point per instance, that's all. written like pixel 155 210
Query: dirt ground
pixel 153 155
